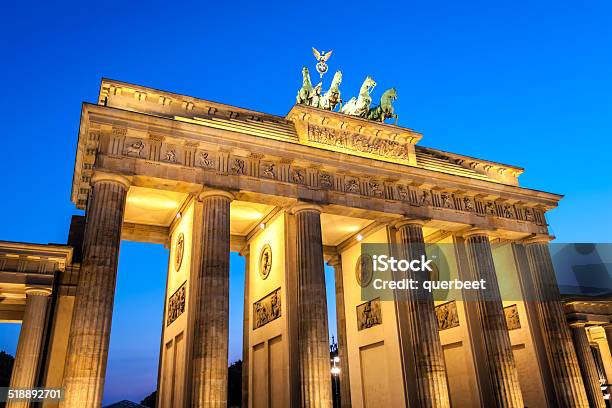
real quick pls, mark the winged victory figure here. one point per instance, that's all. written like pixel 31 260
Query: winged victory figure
pixel 322 58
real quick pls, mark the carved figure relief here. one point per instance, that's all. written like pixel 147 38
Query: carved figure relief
pixel 265 261
pixel 297 176
pixel 364 270
pixel 446 201
pixel 325 180
pixel 135 149
pixel 368 314
pixel 179 251
pixel 512 317
pixel 402 192
pixel 508 211
pixel 529 215
pixel 176 305
pixel 269 171
pixel 375 189
pixel 447 315
pixel 170 156
pixel 351 186
pixel 237 166
pixel 204 160
pixel 468 204
pixel 350 141
pixel 267 309
pixel 425 198
pixel 490 208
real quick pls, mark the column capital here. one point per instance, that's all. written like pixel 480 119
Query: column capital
pixel 245 251
pixel 410 221
pixel 335 261
pixel 302 206
pixel 538 239
pixel 215 193
pixel 38 291
pixel 477 231
pixel 110 177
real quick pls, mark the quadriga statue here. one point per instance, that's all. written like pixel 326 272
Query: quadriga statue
pixel 360 105
pixel 385 110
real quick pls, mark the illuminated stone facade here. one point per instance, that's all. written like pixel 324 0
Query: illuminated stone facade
pixel 290 193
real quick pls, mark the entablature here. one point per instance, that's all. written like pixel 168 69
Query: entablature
pixel 138 145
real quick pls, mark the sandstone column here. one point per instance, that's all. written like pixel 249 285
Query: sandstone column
pixel 500 360
pixel 313 337
pixel 93 308
pixel 345 386
pixel 587 367
pixel 211 311
pixel 608 330
pixel 27 357
pixel 432 388
pixel 246 329
pixel 567 380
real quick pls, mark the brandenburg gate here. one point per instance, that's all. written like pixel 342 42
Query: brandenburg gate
pixel 291 194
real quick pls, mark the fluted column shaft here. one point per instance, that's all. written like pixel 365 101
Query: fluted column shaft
pixel 608 330
pixel 588 369
pixel 500 360
pixel 432 388
pixel 562 359
pixel 27 357
pixel 246 329
pixel 313 337
pixel 93 307
pixel 345 386
pixel 211 306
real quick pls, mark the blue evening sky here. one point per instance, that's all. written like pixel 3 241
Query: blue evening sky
pixel 521 82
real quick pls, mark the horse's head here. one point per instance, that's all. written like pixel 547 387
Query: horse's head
pixel 305 76
pixel 337 79
pixel 391 94
pixel 369 83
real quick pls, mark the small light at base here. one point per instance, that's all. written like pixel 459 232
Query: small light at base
pixel 262 226
pixel 335 370
pixel 359 237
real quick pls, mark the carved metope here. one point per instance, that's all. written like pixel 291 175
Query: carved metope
pixel 267 309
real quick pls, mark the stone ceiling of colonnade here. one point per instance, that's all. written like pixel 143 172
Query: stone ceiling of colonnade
pixel 159 208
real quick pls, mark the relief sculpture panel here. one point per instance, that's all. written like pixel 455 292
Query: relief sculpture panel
pixel 512 317
pixel 368 314
pixel 447 315
pixel 176 305
pixel 267 309
pixel 359 143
